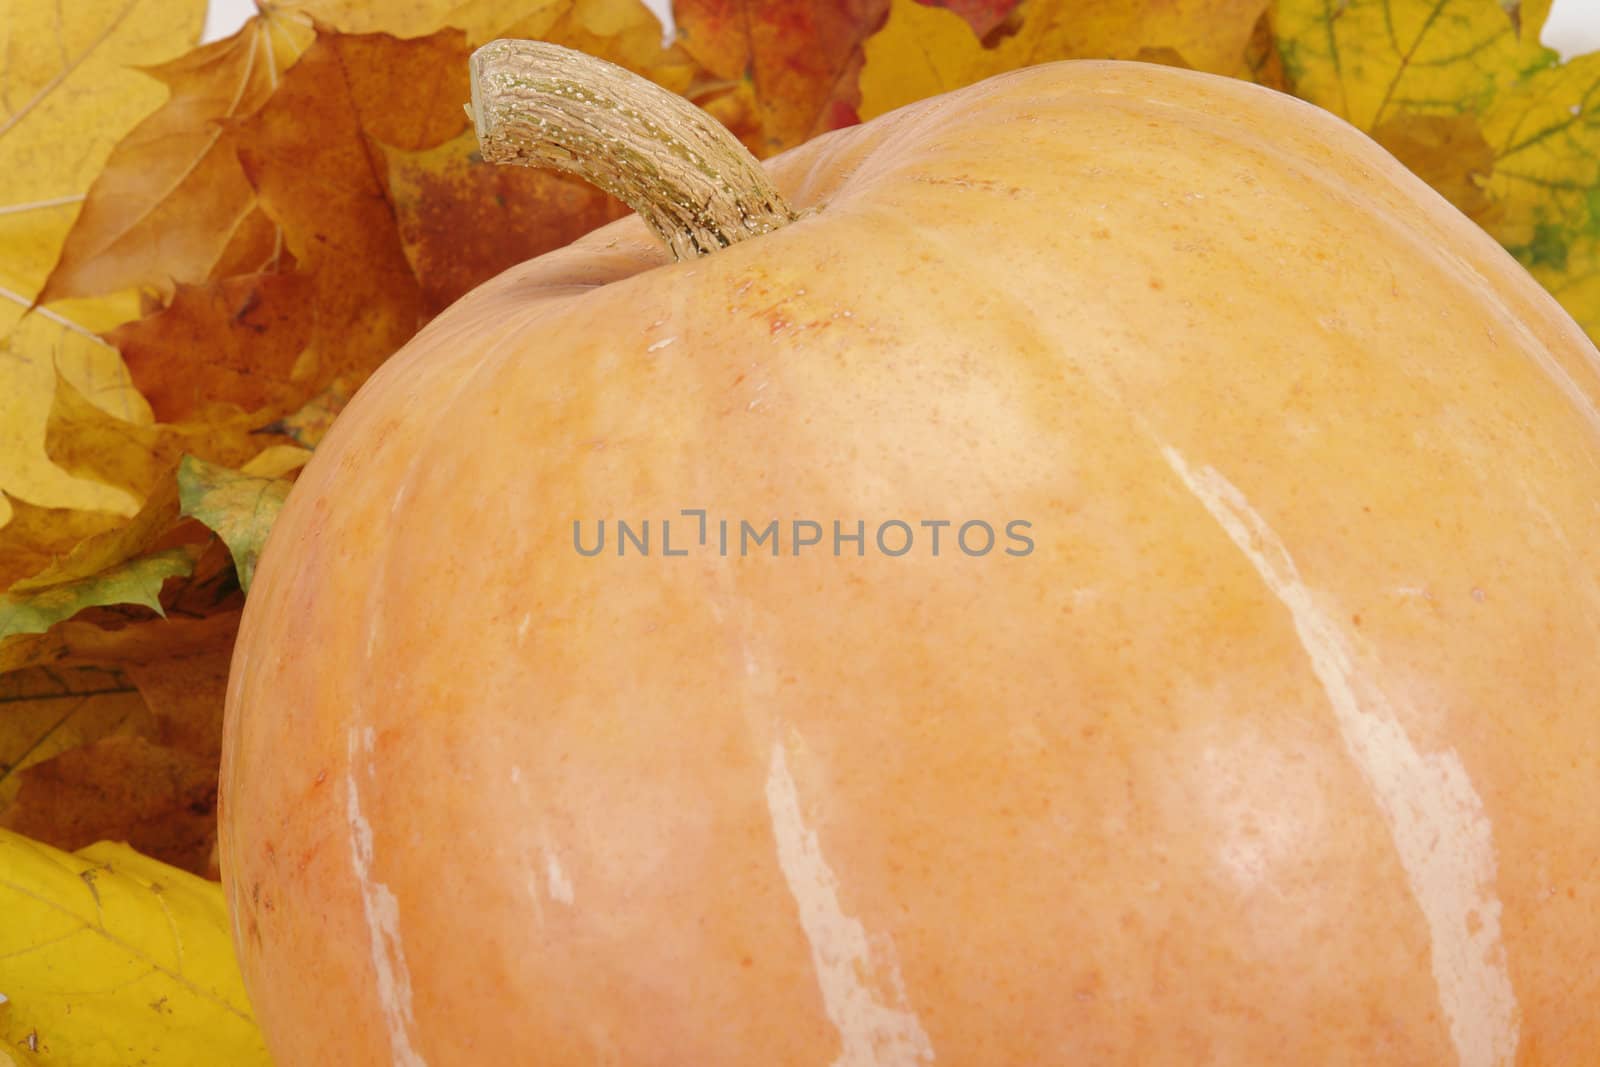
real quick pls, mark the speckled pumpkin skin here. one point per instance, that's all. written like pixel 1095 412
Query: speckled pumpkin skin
pixel 1282 746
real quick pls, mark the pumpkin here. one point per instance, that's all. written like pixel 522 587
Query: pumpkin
pixel 1262 725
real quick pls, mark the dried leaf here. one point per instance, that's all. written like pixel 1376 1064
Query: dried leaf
pixel 70 67
pixel 233 344
pixel 183 679
pixel 43 346
pixel 462 221
pixel 254 247
pixel 160 799
pixel 1446 151
pixel 794 64
pixel 984 16
pixel 137 581
pixel 109 958
pixel 45 712
pixel 172 194
pixel 482 20
pixel 277 461
pixel 84 440
pixel 140 461
pixel 307 153
pixel 623 32
pixel 119 736
pixel 923 51
pixel 104 550
pixel 239 507
pixel 35 537
pixel 311 423
pixel 1261 56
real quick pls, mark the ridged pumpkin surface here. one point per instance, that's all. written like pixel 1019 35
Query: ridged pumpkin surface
pixel 1282 746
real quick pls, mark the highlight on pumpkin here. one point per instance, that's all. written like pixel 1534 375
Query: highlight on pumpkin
pixel 1117 581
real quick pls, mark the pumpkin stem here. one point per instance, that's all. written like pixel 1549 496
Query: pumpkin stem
pixel 692 182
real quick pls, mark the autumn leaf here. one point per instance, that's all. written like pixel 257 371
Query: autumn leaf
pixel 461 220
pixel 307 426
pixel 1377 58
pixel 43 346
pixel 45 712
pixel 70 67
pixel 109 958
pixel 984 16
pixel 34 610
pixel 789 67
pixel 923 51
pixel 623 32
pixel 1544 131
pixel 42 547
pixel 248 332
pixel 239 506
pixel 36 537
pixel 319 181
pixel 105 549
pixel 172 196
pixel 113 638
pixel 481 19
pixel 1462 92
pixel 116 732
pixel 82 439
pixel 138 460
pixel 157 798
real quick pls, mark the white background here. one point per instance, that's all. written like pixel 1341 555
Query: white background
pixel 1572 29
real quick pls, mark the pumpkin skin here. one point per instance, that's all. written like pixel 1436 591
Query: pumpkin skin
pixel 1283 745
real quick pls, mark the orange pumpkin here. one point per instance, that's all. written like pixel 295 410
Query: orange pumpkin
pixel 1279 742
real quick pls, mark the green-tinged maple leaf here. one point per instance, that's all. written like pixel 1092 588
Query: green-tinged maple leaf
pixel 140 459
pixel 1370 60
pixel 1544 188
pixel 240 507
pixel 1463 93
pixel 109 958
pixel 136 581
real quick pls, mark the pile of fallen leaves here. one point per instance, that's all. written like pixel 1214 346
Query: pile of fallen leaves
pixel 205 251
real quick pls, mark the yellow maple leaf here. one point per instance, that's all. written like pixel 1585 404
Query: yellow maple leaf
pixel 43 346
pixel 923 50
pixel 68 91
pixel 109 958
pixel 63 104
